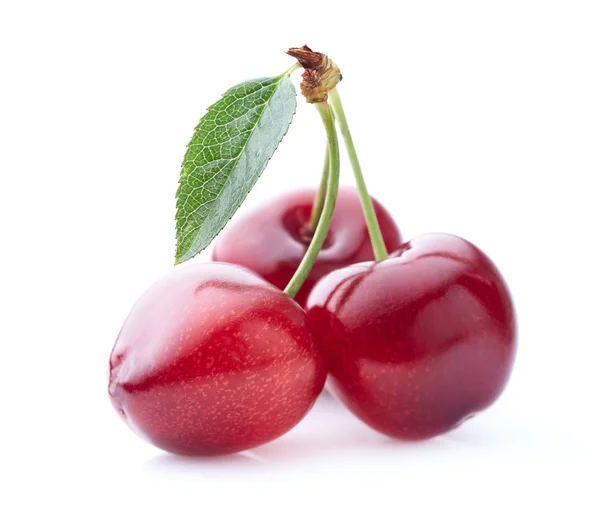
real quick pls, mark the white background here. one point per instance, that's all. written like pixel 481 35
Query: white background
pixel 476 118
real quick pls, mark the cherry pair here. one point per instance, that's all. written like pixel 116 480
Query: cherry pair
pixel 215 359
pixel 414 344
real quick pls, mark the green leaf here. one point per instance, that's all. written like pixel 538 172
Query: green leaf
pixel 229 150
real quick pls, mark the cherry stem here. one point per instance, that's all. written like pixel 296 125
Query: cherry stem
pixel 291 69
pixel 317 208
pixel 322 228
pixel 379 249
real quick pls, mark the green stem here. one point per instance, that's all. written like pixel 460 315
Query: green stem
pixel 317 208
pixel 291 69
pixel 379 249
pixel 330 197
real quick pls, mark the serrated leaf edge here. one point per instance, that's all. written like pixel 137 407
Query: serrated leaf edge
pixel 185 257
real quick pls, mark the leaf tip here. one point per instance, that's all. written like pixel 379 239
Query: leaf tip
pixel 180 259
pixel 180 256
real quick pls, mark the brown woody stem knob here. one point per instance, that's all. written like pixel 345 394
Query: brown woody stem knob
pixel 320 75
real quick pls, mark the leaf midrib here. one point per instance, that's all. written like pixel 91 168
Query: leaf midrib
pixel 234 159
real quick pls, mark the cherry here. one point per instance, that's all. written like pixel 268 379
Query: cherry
pixel 212 359
pixel 419 342
pixel 273 239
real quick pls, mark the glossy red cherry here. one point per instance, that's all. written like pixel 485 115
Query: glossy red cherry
pixel 419 342
pixel 272 241
pixel 212 359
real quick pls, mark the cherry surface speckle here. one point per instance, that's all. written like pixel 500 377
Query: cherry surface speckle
pixel 212 359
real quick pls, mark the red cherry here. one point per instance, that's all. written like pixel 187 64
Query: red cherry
pixel 212 359
pixel 419 342
pixel 272 240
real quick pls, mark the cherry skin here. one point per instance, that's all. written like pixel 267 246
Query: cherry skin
pixel 212 359
pixel 419 342
pixel 272 240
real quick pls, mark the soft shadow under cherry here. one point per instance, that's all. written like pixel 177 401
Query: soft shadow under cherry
pixel 169 463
